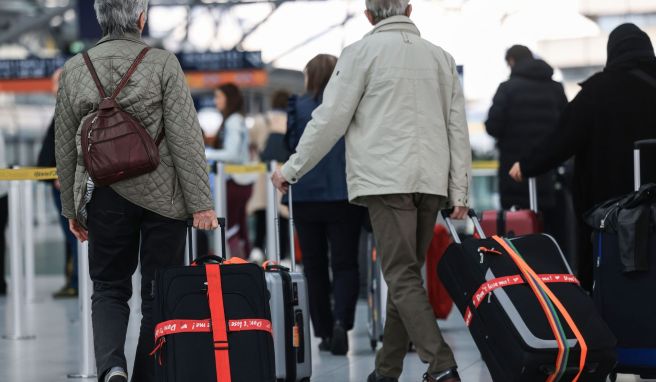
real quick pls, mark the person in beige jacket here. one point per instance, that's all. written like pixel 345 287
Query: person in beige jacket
pixel 398 101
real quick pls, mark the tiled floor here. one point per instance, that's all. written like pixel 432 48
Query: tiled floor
pixel 55 351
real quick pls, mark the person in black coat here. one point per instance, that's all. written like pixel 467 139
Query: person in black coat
pixel 614 109
pixel 525 109
pixel 46 158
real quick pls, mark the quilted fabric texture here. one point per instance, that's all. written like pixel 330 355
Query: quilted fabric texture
pixel 158 97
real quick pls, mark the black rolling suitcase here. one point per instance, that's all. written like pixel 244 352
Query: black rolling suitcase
pixel 621 285
pixel 213 322
pixel 525 310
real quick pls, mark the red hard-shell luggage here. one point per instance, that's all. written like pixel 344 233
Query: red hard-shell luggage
pixel 437 294
pixel 514 222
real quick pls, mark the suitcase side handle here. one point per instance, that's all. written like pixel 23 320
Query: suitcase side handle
pixel 446 213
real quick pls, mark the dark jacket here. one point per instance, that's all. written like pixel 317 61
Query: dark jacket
pixel 613 110
pixel 525 109
pixel 327 181
pixel 47 153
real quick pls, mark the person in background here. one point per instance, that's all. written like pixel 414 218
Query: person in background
pixel 4 216
pixel 328 226
pixel 614 109
pixel 524 110
pixel 397 100
pixel 267 142
pixel 233 148
pixel 47 159
pixel 141 219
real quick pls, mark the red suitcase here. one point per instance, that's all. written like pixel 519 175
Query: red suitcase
pixel 515 222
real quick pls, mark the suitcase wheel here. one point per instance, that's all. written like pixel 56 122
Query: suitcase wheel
pixel 374 344
pixel 305 380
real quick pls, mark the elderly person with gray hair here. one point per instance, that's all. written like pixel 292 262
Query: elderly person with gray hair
pixel 397 100
pixel 140 219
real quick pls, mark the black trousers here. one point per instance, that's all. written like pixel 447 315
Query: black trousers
pixel 260 233
pixel 121 235
pixel 322 228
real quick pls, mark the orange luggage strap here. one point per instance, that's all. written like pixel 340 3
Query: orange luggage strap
pixel 217 314
pixel 506 281
pixel 532 277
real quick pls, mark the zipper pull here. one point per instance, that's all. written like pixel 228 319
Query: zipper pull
pixel 482 257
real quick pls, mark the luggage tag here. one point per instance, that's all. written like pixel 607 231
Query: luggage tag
pixel 482 251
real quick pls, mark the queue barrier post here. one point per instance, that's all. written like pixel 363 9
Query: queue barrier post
pixel 87 360
pixel 16 308
pixel 27 207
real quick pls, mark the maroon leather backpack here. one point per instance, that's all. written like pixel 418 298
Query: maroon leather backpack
pixel 115 146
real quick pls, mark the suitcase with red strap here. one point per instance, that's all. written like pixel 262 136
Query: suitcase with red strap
pixel 514 222
pixel 214 322
pixel 524 308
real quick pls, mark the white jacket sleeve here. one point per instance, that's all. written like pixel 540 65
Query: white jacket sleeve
pixel 459 146
pixel 232 143
pixel 331 119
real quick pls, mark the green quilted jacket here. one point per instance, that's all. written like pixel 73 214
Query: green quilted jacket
pixel 158 97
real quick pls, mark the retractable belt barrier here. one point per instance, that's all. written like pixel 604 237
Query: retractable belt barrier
pixel 29 173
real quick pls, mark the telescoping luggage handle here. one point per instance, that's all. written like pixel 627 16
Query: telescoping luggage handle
pixel 452 229
pixel 637 147
pixel 533 194
pixel 207 258
pixel 292 249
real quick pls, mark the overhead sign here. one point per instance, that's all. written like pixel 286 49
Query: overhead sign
pixel 30 68
pixel 217 61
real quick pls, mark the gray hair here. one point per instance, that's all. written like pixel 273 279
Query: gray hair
pixel 382 9
pixel 118 17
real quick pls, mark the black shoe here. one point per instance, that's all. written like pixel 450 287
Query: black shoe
pixel 324 345
pixel 339 343
pixel 450 375
pixel 373 377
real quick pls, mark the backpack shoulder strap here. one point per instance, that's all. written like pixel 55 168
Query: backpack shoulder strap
pixel 94 75
pixel 130 72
